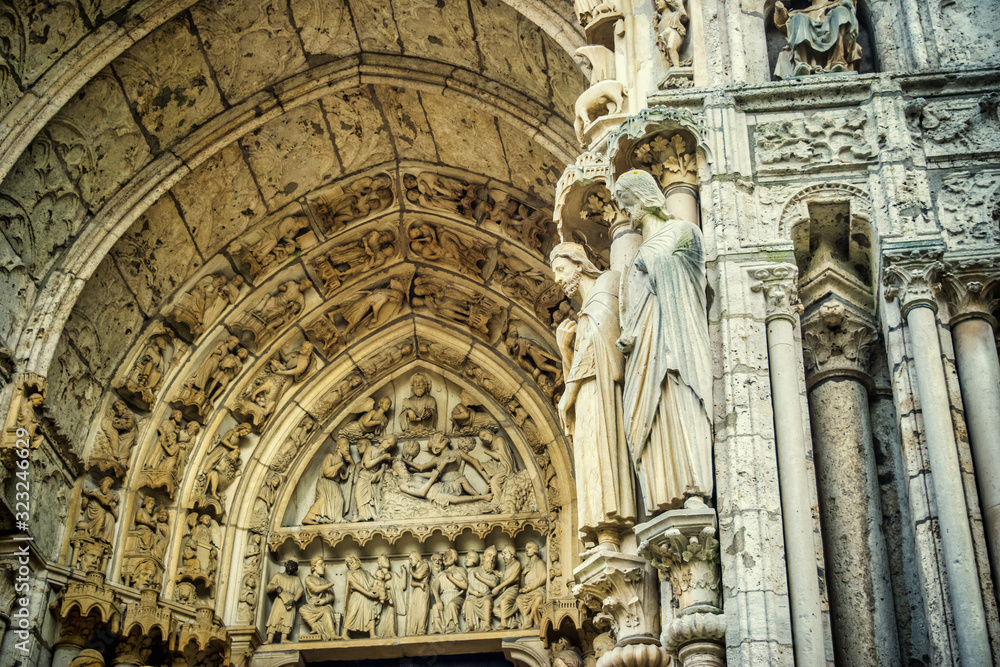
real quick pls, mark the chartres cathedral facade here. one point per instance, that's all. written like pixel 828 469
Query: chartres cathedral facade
pixel 617 333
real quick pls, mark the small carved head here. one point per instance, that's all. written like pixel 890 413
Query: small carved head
pixel 291 566
pixel 531 548
pixel 450 557
pixel 318 566
pixel 383 562
pixel 420 384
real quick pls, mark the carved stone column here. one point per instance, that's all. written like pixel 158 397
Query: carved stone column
pixel 836 340
pixel 971 287
pixel 683 545
pixel 777 283
pixel 910 276
pixel 624 587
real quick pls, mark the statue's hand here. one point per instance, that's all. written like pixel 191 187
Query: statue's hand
pixel 626 344
pixel 565 333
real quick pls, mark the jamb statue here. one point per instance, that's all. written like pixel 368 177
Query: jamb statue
pixel 668 375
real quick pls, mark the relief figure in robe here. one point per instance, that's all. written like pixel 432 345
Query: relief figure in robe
pixel 591 406
pixel 668 375
pixel 329 506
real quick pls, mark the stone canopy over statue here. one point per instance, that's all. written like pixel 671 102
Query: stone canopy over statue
pixel 591 407
pixel 668 374
pixel 821 38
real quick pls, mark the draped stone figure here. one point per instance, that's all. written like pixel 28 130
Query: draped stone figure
pixel 361 602
pixel 821 38
pixel 288 591
pixel 591 406
pixel 479 597
pixel 329 506
pixel 505 593
pixel 389 588
pixel 318 612
pixel 668 375
pixel 418 603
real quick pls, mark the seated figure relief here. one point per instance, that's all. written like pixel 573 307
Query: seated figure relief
pixel 821 38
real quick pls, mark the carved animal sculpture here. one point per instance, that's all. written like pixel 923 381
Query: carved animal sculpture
pixel 601 99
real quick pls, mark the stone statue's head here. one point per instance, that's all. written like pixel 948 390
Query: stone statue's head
pixel 637 191
pixel 531 548
pixel 569 263
pixel 317 566
pixel 507 553
pixel 450 556
pixel 420 384
pixel 291 566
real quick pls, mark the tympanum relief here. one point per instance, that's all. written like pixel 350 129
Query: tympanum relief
pixel 400 457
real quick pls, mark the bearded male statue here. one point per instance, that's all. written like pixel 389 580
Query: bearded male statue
pixel 591 406
pixel 668 374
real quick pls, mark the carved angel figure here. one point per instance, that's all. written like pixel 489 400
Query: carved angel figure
pixel 372 422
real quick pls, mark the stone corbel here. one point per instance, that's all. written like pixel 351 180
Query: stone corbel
pixel 85 606
pixel 971 286
pixel 911 275
pixel 836 341
pixel 244 640
pixel 683 545
pixel 625 588
pixel 777 283
pixel 204 636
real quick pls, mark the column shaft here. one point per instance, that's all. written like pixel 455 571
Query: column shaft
pixel 946 477
pixel 979 377
pixel 861 610
pixel 796 510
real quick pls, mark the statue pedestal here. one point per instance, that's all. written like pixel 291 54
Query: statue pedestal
pixel 624 587
pixel 683 545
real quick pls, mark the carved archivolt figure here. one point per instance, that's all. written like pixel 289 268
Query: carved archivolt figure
pixel 505 592
pixel 223 464
pixel 356 258
pixel 287 589
pixel 151 526
pixel 205 302
pixel 479 597
pixel 318 612
pixel 417 606
pixel 147 375
pixel 361 603
pixel 822 38
pixel 453 584
pixel 100 511
pixel 271 245
pixel 269 385
pixel 532 592
pixel 531 357
pixel 668 378
pixel 274 312
pixel 420 410
pixel 172 446
pixel 591 407
pixel 119 430
pixel 465 417
pixel 200 552
pixel 211 377
pixel 338 467
pixel 370 470
pixel 383 303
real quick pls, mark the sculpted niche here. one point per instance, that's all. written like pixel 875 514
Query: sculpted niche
pixel 668 373
pixel 821 38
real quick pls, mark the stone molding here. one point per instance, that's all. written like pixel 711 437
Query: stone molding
pixel 779 285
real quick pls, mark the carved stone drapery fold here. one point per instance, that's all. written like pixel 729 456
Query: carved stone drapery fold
pixel 778 284
pixel 910 275
pixel 971 285
pixel 837 340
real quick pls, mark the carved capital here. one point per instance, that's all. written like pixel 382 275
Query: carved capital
pixel 683 545
pixel 910 275
pixel 625 588
pixel 777 282
pixel 635 655
pixel 971 286
pixel 836 340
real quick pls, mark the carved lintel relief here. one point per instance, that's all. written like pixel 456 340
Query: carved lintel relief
pixel 836 340
pixel 970 283
pixel 778 284
pixel 683 545
pixel 815 142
